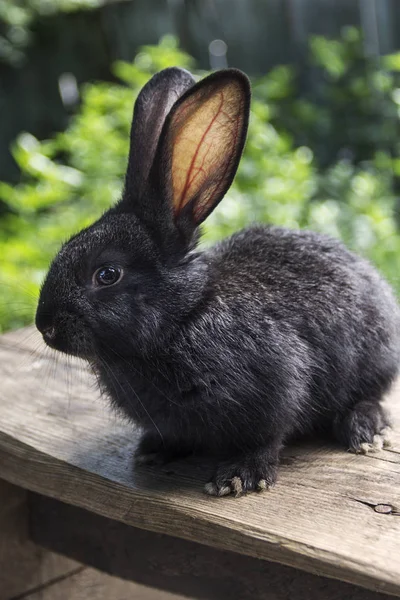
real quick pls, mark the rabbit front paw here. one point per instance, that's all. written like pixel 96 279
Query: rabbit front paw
pixel 251 473
pixel 154 450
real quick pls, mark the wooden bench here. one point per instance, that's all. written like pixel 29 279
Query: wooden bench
pixel 330 529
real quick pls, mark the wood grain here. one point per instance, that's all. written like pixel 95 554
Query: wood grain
pixel 59 439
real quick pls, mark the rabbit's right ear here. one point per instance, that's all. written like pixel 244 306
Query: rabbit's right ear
pixel 201 145
pixel 151 109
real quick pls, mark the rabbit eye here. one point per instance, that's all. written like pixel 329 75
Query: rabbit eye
pixel 107 276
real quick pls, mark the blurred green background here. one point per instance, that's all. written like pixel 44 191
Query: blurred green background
pixel 323 149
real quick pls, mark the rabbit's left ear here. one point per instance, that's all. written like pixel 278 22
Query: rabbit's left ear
pixel 151 108
pixel 202 142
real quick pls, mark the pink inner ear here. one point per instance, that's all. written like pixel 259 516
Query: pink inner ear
pixel 204 134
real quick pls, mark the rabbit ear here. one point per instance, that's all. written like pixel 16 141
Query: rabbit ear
pixel 202 142
pixel 151 108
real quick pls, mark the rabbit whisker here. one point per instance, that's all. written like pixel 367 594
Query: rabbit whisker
pixel 127 362
pixel 142 405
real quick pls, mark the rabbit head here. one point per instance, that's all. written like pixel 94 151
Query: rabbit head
pixel 125 281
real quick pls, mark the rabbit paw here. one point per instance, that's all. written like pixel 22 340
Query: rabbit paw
pixel 381 441
pixel 254 473
pixel 153 450
pixel 152 458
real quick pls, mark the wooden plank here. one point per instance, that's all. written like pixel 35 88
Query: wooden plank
pixel 169 563
pixel 23 565
pixel 58 439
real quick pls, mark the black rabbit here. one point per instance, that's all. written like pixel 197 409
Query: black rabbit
pixel 232 350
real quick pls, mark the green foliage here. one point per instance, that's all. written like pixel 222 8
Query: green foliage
pixel 68 181
pixel 327 160
pixel 342 104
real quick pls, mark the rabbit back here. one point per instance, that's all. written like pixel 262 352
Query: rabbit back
pixel 326 297
pixel 292 331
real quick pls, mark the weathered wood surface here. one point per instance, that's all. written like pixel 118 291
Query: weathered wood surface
pixel 24 566
pixel 57 438
pixel 168 563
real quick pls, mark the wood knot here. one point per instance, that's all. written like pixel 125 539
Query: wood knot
pixel 383 509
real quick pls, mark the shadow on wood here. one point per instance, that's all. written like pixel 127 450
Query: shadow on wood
pixel 24 566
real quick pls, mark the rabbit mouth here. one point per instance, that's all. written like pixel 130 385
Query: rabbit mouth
pixel 70 336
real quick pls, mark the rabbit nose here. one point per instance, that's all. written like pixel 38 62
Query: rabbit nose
pixel 49 333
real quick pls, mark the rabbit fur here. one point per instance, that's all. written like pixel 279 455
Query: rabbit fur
pixel 232 350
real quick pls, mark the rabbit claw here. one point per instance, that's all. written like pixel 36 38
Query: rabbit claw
pixel 238 479
pixel 381 441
